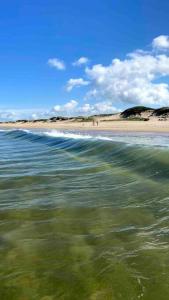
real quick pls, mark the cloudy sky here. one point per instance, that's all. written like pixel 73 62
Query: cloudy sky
pixel 82 57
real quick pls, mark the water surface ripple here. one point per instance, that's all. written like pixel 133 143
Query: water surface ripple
pixel 84 216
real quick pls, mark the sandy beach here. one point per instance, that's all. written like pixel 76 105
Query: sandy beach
pixel 115 125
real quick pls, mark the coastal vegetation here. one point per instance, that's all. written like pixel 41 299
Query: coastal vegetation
pixel 135 111
pixel 163 111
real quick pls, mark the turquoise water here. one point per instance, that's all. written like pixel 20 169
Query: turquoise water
pixel 84 216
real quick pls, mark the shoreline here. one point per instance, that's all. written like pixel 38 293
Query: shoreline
pixel 117 126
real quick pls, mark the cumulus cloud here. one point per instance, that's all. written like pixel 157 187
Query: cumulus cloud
pixel 141 78
pixel 81 61
pixel 74 108
pixel 17 114
pixel 76 82
pixel 56 63
pixel 69 107
pixel 104 107
pixel 134 80
pixel 161 42
pixel 7 115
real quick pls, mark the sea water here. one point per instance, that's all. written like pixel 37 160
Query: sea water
pixel 84 215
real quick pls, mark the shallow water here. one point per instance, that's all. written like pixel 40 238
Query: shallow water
pixel 84 217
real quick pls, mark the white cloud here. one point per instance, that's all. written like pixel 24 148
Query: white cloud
pixel 17 114
pixel 73 108
pixel 134 80
pixel 57 108
pixel 85 109
pixel 7 115
pixel 71 105
pixel 67 108
pixel 56 63
pixel 97 108
pixel 104 108
pixel 81 61
pixel 77 82
pixel 161 42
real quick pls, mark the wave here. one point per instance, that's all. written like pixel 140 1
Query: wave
pixel 150 161
pixel 128 139
pixel 144 139
pixel 80 169
pixel 55 137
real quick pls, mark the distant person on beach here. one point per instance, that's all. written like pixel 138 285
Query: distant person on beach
pixel 95 122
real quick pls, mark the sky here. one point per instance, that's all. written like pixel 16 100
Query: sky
pixel 71 57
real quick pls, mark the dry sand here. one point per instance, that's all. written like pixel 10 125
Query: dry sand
pixel 153 125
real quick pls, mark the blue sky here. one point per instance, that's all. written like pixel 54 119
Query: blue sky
pixel 32 32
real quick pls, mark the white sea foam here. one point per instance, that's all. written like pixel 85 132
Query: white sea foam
pixel 76 136
pixel 3 130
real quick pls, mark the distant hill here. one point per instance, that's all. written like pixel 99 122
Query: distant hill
pixel 144 112
pixel 136 111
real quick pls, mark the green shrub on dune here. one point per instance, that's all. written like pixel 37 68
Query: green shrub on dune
pixel 135 111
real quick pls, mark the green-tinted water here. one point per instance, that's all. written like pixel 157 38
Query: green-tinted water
pixel 82 219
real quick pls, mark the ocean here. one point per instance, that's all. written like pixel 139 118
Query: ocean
pixel 84 215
